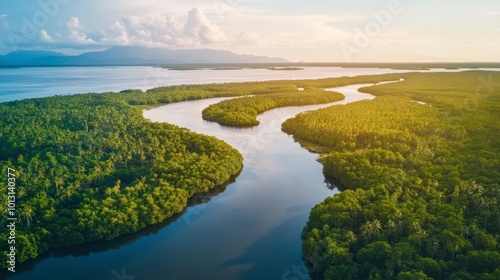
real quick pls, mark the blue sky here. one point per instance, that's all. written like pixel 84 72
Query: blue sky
pixel 319 30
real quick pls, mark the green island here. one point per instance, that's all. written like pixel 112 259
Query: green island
pixel 182 67
pixel 243 111
pixel 270 95
pixel 420 183
pixel 285 68
pixel 410 68
pixel 227 68
pixel 89 167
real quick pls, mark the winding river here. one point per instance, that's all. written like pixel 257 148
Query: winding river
pixel 259 218
pixel 249 229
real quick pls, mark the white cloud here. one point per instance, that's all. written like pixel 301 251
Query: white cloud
pixel 44 36
pixel 248 38
pixel 196 19
pixel 199 27
pixel 164 31
pixel 76 32
pixel 211 34
pixel 150 31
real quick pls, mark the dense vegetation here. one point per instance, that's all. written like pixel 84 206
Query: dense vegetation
pixel 284 68
pixel 244 111
pixel 421 181
pixel 169 94
pixel 90 167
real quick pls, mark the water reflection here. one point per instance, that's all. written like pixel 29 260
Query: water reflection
pixel 250 230
pixel 87 249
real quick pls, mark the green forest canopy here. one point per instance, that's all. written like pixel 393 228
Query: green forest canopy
pixel 90 167
pixel 244 111
pixel 421 181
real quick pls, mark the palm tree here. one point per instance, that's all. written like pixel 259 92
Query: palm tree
pixel 58 181
pixel 376 228
pixel 371 229
pixel 391 228
pixel 367 231
pixel 46 184
pixel 26 212
pixel 415 226
pixel 350 237
pixel 21 193
pixel 81 169
pixel 128 156
pixel 143 157
pixel 67 193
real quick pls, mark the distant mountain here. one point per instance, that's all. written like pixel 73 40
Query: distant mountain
pixel 23 57
pixel 116 56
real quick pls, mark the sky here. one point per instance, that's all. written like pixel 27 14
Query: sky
pixel 309 31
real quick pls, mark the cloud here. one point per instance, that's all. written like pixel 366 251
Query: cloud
pixel 192 30
pixel 73 35
pixel 153 31
pixel 196 20
pixel 247 38
pixel 147 31
pixel 44 36
pixel 3 15
pixel 199 27
pixel 76 32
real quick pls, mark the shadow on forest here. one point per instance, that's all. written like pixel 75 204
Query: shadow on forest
pixel 102 246
pixel 332 183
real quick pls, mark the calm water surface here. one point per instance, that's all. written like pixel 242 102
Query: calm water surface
pixel 22 83
pixel 249 229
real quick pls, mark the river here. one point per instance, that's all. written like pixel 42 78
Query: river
pixel 248 229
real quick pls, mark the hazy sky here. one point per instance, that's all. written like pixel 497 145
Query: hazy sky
pixel 318 30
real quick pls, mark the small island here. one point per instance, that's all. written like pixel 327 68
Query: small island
pixel 285 68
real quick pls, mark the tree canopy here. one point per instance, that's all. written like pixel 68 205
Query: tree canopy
pixel 420 181
pixel 90 167
pixel 244 111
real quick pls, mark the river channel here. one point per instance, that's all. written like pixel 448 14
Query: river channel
pixel 247 229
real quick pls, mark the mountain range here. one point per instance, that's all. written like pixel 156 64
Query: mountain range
pixel 122 56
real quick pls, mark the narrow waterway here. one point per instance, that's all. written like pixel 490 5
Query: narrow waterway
pixel 259 217
pixel 249 229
